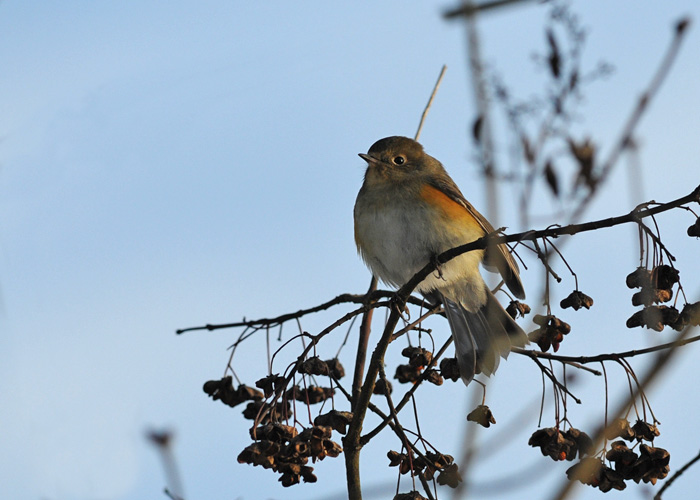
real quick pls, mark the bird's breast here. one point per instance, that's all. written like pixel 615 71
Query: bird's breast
pixel 398 235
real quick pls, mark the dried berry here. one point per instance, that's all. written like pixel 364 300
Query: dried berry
pixel 382 387
pixel 554 444
pixel 690 315
pixel 550 333
pixel 640 277
pixel 338 420
pixel 258 409
pixel 652 464
pixel 576 300
pixel 655 318
pixel 449 368
pixel 434 377
pixel 270 384
pixel 223 390
pixel 619 452
pixel 664 277
pixel 407 373
pixel 517 308
pixel 275 432
pixel 645 431
pixel 482 415
pixel 335 368
pixel 311 394
pixel 450 476
pixel 439 460
pixel 583 442
pixel 694 230
pixel 261 453
pixel 417 356
pixel 314 366
pixel 395 458
pixel 593 472
pixel 619 428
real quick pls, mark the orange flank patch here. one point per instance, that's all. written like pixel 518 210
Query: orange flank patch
pixel 449 207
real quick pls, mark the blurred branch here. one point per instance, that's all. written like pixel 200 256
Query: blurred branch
pixel 468 9
pixel 625 139
pixel 162 441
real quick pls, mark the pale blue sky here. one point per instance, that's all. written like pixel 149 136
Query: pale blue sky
pixel 170 164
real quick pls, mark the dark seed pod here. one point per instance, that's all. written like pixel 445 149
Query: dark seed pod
pixel 434 377
pixel 449 368
pixel 338 420
pixel 482 415
pixel 382 387
pixel 640 277
pixel 406 373
pixel 450 476
pixel 664 276
pixel 335 369
pixel 314 366
pixel 645 431
pixel 690 314
pixel 576 300
pixel 417 356
pixel 619 428
pixel 517 308
pixel 694 230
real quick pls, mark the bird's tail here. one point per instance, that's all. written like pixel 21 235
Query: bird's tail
pixel 482 337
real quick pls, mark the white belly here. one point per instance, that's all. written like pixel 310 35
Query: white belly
pixel 395 251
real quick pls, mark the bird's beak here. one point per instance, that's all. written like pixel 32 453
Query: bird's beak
pixel 369 159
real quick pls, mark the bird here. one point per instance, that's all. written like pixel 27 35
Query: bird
pixel 408 211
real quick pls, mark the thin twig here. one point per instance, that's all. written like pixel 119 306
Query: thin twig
pixel 430 101
pixel 613 356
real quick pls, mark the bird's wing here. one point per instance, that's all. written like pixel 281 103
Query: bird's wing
pixel 495 256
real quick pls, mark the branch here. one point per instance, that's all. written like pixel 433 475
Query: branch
pixel 469 9
pixel 614 356
pixel 345 298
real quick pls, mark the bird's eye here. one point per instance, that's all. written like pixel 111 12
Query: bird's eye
pixel 399 160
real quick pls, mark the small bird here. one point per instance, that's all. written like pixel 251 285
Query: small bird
pixel 407 212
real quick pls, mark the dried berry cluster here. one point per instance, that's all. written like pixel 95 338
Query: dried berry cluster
pixel 427 465
pixel 315 366
pixel 559 445
pixel 281 447
pixel 550 333
pixel 418 359
pixel 656 287
pixel 284 450
pixel 649 465
pixel 223 390
pixel 694 230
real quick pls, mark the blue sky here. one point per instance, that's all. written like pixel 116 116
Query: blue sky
pixel 170 164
